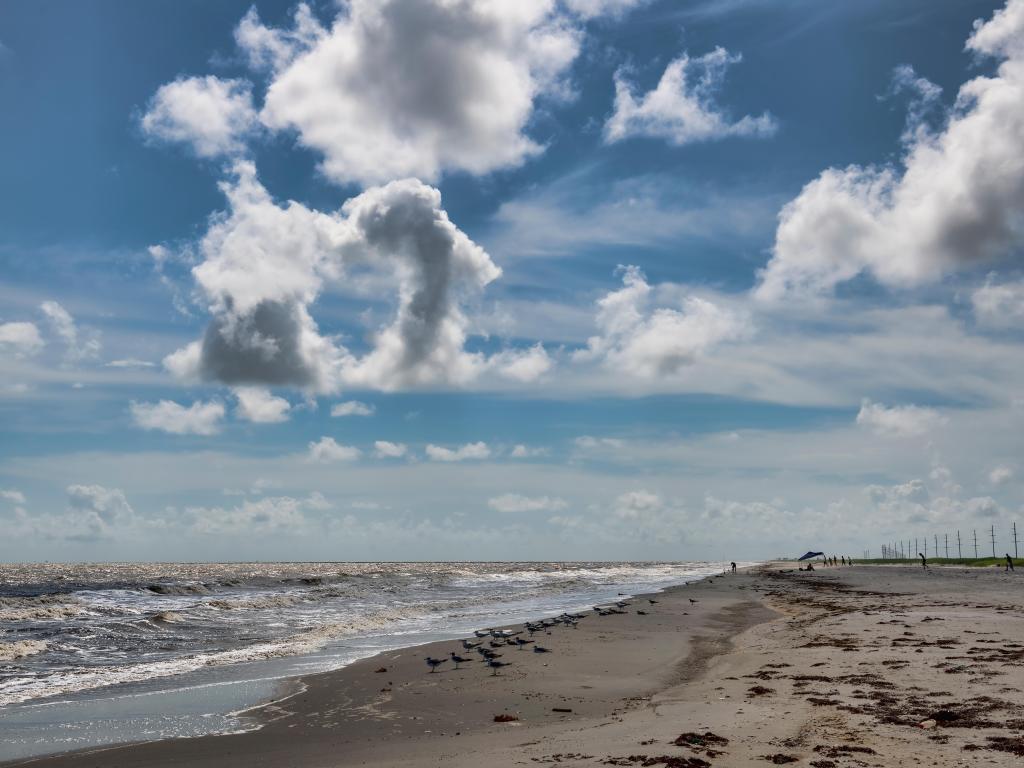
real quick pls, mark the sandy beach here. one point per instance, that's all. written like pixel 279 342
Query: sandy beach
pixel 859 666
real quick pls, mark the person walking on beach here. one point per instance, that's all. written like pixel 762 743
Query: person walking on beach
pixel 924 563
pixel 1009 563
pixel 734 566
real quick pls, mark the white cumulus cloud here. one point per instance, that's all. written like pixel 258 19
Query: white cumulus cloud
pixel 387 450
pixel 211 115
pixel 999 305
pixel 898 420
pixel 682 108
pixel 264 265
pixel 327 450
pixel 521 451
pixel 639 341
pixel 414 87
pixel 352 408
pixel 514 502
pixel 465 452
pixel 953 202
pixel 21 338
pixel 258 405
pixel 1001 474
pixel 12 495
pixel 168 416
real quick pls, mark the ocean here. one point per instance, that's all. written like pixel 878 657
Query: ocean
pixel 94 654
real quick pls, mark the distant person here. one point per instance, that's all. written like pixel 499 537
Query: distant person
pixel 734 566
pixel 810 567
pixel 849 561
pixel 1009 562
pixel 924 563
pixel 842 559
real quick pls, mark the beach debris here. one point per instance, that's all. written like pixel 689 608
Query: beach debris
pixel 669 761
pixel 506 718
pixel 760 690
pixel 380 669
pixel 780 759
pixel 707 743
pixel 561 709
pixel 929 723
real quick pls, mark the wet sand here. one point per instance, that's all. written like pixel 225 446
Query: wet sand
pixel 861 666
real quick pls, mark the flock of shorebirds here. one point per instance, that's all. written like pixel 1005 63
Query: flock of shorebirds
pixel 488 641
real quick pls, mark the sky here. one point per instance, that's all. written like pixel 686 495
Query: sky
pixel 475 279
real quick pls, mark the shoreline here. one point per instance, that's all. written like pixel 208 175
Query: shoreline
pixel 848 666
pixel 409 659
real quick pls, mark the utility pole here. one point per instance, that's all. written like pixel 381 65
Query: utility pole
pixel 993 533
pixel 975 543
pixel 959 551
pixel 936 546
pixel 925 542
pixel 916 549
pixel 1015 539
pixel 947 545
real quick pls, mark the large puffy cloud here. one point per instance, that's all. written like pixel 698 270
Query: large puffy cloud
pixel 264 265
pixel 211 115
pixel 642 342
pixel 682 109
pixel 954 203
pixel 21 338
pixel 168 416
pixel 898 420
pixel 414 88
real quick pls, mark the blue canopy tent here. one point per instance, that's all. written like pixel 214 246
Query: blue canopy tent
pixel 809 555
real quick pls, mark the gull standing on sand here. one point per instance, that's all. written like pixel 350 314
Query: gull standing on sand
pixel 495 665
pixel 459 659
pixel 434 663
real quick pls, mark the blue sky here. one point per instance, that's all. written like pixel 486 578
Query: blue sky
pixel 596 278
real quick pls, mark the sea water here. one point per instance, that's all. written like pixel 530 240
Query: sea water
pixel 96 654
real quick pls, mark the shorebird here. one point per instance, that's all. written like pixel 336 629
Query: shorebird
pixel 540 649
pixel 694 601
pixel 642 613
pixel 459 659
pixel 522 643
pixel 496 665
pixel 469 646
pixel 652 602
pixel 434 663
pixel 622 603
pixel 482 632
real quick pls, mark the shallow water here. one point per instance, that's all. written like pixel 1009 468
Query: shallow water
pixel 103 653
